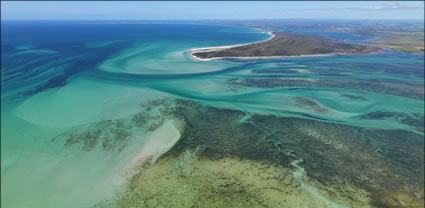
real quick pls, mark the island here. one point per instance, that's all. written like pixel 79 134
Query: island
pixel 285 44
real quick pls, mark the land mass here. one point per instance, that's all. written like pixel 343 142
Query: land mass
pixel 411 42
pixel 403 36
pixel 287 44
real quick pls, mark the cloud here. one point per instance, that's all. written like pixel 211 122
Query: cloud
pixel 391 6
pixel 382 7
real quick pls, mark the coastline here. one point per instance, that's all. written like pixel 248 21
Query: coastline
pixel 193 50
pixel 210 49
pixel 265 57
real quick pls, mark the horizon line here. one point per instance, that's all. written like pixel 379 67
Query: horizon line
pixel 315 19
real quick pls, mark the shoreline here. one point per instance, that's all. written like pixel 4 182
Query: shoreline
pixel 266 57
pixel 276 57
pixel 213 48
pixel 209 49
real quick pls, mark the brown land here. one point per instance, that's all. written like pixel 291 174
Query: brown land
pixel 288 44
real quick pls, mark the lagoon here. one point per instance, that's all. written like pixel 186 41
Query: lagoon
pixel 84 106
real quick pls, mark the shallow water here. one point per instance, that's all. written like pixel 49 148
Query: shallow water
pixel 60 77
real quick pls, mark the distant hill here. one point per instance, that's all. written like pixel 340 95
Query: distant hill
pixel 289 44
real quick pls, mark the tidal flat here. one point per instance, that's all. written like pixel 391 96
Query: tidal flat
pixel 271 161
pixel 131 119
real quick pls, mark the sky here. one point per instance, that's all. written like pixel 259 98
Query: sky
pixel 198 10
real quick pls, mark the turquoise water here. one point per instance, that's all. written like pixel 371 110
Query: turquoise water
pixel 61 76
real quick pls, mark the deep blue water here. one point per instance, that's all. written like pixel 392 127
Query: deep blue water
pixel 58 76
pixel 72 56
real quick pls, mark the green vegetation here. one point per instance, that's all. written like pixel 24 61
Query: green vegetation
pixel 411 42
pixel 408 50
pixel 404 36
pixel 289 44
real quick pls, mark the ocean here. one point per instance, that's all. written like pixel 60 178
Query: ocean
pixel 72 93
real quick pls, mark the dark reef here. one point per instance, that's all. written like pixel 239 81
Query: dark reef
pixel 381 86
pixel 387 164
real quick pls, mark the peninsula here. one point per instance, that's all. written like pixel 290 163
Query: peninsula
pixel 286 44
